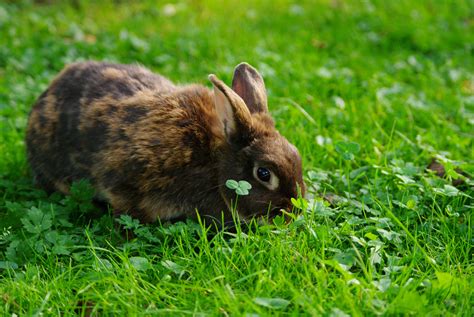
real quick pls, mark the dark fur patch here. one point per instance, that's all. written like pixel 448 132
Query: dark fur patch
pixel 155 142
pixel 115 88
pixel 94 138
pixel 134 113
pixel 188 139
pixel 111 109
pixel 118 135
pixel 111 178
pixel 42 120
pixel 184 122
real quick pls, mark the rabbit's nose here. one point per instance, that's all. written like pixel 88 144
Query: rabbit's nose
pixel 276 211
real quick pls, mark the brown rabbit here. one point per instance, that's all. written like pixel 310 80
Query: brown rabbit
pixel 156 150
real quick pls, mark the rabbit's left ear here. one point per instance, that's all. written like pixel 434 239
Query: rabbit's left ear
pixel 249 85
pixel 233 114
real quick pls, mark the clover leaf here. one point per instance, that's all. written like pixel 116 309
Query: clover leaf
pixel 241 188
pixel 347 149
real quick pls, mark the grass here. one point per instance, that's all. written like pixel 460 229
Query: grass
pixel 369 91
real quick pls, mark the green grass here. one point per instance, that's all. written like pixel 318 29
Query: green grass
pixel 394 77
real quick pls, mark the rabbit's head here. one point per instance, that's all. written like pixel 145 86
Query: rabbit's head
pixel 252 149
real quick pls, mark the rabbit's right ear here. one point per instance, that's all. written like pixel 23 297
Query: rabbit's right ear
pixel 249 85
pixel 233 114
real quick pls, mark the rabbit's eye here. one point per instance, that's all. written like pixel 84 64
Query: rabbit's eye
pixel 266 177
pixel 263 174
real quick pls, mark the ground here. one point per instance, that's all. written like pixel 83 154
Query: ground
pixel 371 92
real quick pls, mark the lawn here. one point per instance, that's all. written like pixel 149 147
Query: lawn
pixel 371 92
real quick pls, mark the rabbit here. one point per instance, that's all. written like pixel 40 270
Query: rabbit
pixel 156 150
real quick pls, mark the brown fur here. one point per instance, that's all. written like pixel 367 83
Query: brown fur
pixel 156 150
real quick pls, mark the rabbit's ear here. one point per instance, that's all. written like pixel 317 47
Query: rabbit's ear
pixel 249 85
pixel 233 114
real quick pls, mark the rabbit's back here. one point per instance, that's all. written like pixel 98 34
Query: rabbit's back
pixel 70 121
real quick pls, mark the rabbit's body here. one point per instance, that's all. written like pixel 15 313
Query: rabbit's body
pixel 150 148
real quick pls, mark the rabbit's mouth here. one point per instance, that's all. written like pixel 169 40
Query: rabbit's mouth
pixel 276 211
